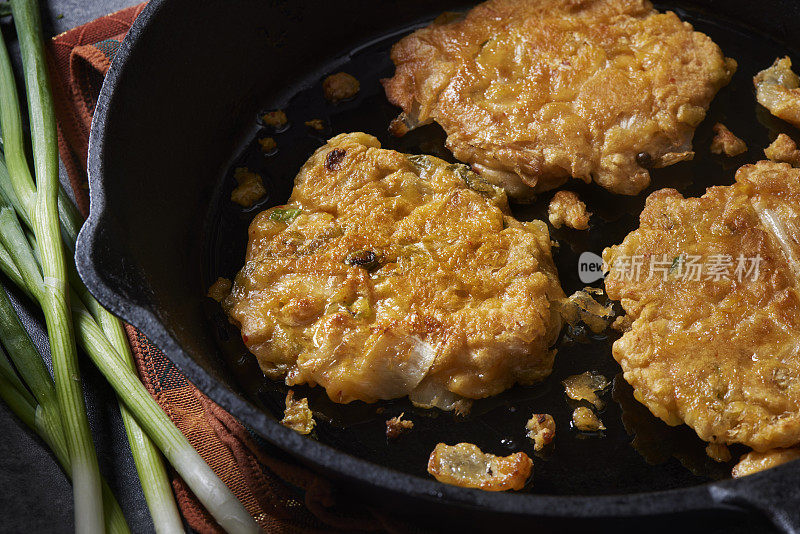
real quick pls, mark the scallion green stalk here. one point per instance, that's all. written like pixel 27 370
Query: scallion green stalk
pixel 26 358
pixel 23 190
pixel 204 483
pixel 50 430
pixel 16 244
pixel 104 341
pixel 86 480
pixel 16 400
pixel 8 268
pixel 208 488
pixel 42 402
pixel 83 473
pixel 152 474
pixel 7 373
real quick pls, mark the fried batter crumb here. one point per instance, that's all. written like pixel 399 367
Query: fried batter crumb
pixel 778 90
pixel 718 452
pixel 219 289
pixel 584 387
pixel 541 429
pixel 467 466
pixel 675 157
pixel 462 407
pixel 250 189
pixel 396 426
pixel 582 307
pixel 316 124
pixel 340 86
pixel 268 144
pixel 297 415
pixel 725 142
pixel 755 462
pixel 586 420
pixel 276 119
pixel 691 115
pixel 401 125
pixel 622 323
pixel 567 208
pixel 783 150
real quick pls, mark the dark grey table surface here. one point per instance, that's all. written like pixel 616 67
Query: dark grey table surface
pixel 35 495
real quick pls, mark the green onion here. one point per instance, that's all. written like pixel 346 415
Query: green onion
pixel 25 356
pixel 53 218
pixel 42 405
pixel 284 215
pixel 22 187
pixel 13 238
pixel 204 483
pixel 217 498
pixel 8 268
pixel 24 406
pixel 17 401
pixel 152 474
pixel 85 472
pixel 21 393
pixel 86 480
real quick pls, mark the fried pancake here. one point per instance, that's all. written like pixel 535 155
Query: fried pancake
pixel 716 347
pixel 531 92
pixel 388 275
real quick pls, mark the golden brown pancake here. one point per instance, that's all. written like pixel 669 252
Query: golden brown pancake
pixel 532 92
pixel 716 346
pixel 388 275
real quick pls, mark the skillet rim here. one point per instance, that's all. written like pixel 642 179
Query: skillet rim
pixel 727 494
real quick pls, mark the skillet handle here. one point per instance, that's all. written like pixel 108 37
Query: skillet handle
pixel 774 493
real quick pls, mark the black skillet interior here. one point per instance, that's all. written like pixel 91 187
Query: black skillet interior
pixel 163 228
pixel 661 457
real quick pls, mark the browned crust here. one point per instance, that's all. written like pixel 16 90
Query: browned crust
pixel 389 275
pixel 566 115
pixel 717 354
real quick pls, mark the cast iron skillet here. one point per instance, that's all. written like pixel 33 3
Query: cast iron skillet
pixel 178 111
